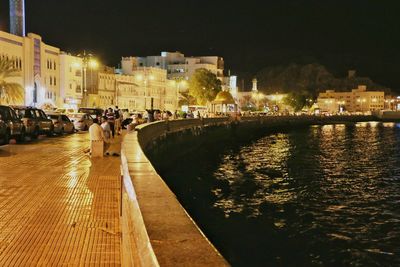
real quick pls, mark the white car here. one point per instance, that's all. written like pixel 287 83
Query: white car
pixel 81 121
pixel 62 124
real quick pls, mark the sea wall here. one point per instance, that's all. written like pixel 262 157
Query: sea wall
pixel 156 229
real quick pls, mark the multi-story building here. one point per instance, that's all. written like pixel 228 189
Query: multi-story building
pixel 38 64
pixel 71 81
pixel 129 94
pixel 106 89
pixel 177 65
pixel 358 100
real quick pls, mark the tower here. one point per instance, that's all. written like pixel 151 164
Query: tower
pixel 254 89
pixel 17 17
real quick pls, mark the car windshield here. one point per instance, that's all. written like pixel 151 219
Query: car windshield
pixel 54 117
pixel 24 113
pixel 76 116
pixel 89 111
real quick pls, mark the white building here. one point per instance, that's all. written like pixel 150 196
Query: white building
pixel 106 89
pixel 129 94
pixel 358 100
pixel 39 64
pixel 177 65
pixel 71 81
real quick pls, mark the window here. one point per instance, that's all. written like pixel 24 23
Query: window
pixel 55 81
pixel 65 118
pixel 42 114
pixel 51 80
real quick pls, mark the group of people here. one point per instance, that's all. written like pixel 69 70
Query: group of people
pixel 113 118
pixel 105 128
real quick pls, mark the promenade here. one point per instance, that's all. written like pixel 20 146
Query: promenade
pixel 58 207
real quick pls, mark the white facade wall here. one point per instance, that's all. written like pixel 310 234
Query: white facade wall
pixel 106 90
pixel 12 48
pixel 129 94
pixel 39 64
pixel 358 100
pixel 71 81
pixel 177 65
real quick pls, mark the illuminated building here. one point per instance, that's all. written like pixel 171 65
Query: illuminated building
pixel 38 64
pixel 71 81
pixel 176 64
pixel 358 100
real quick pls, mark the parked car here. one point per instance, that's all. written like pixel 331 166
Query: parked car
pixel 62 124
pixel 93 112
pixel 11 126
pixel 65 110
pixel 35 120
pixel 81 121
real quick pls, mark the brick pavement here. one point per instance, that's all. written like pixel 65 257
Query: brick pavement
pixel 57 206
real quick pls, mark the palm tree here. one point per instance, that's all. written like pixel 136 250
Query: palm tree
pixel 10 93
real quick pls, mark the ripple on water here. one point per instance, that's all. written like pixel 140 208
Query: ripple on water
pixel 326 195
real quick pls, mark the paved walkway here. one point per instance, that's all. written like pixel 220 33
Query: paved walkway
pixel 57 206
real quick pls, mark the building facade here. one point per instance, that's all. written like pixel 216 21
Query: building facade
pixel 71 81
pixel 129 94
pixel 176 64
pixel 39 66
pixel 358 100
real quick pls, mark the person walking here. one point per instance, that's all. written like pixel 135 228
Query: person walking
pixel 117 115
pixel 111 120
pixel 106 128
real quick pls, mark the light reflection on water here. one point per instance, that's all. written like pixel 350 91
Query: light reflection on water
pixel 324 196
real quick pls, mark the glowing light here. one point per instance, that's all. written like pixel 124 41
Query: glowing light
pixel 93 64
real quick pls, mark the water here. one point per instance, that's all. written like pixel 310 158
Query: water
pixel 318 196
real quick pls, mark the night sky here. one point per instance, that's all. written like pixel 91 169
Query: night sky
pixel 353 34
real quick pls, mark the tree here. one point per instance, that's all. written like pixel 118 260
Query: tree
pixel 10 93
pixel 297 100
pixel 186 99
pixel 204 86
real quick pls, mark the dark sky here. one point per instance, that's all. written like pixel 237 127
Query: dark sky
pixel 249 34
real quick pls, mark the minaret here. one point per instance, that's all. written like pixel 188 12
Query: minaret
pixel 17 17
pixel 254 85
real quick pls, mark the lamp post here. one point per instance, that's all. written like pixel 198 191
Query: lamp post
pixel 88 61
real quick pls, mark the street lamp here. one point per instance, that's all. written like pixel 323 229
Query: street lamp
pixel 88 61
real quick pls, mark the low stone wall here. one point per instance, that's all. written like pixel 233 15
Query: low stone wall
pixel 156 228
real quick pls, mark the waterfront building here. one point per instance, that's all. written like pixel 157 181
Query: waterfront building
pixel 177 65
pixel 392 102
pixel 358 100
pixel 71 81
pixel 106 89
pixel 38 64
pixel 99 85
pixel 129 94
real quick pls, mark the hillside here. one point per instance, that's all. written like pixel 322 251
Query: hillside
pixel 310 78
